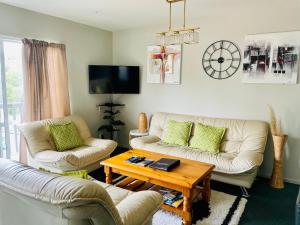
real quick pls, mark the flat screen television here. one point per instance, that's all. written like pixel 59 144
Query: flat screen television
pixel 114 79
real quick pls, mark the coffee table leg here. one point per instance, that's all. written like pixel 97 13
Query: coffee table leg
pixel 187 208
pixel 206 188
pixel 108 174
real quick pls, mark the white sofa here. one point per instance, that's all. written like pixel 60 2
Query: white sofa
pixel 241 150
pixel 42 153
pixel 32 197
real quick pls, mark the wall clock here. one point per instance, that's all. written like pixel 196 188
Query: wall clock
pixel 221 59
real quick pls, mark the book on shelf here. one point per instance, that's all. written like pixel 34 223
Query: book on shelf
pixel 170 197
pixel 177 203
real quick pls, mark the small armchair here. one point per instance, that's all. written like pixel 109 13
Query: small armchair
pixel 42 152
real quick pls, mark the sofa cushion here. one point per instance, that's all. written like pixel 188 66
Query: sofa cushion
pixel 83 174
pixel 231 163
pixel 75 159
pixel 207 138
pixel 65 136
pixel 177 133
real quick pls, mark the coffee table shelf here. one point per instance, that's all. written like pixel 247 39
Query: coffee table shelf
pixel 132 184
pixel 185 178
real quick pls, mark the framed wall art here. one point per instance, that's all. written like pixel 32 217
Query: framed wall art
pixel 164 64
pixel 271 58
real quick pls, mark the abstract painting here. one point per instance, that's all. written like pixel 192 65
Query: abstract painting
pixel 271 58
pixel 164 64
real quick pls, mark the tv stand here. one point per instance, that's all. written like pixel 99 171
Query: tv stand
pixel 110 114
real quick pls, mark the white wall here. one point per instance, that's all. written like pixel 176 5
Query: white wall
pixel 200 95
pixel 85 45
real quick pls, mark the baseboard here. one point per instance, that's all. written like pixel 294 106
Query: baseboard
pixel 288 180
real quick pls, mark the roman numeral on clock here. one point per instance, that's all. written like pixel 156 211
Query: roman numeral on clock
pixel 220 74
pixel 208 67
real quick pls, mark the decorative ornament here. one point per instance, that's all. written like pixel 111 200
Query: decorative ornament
pixel 143 122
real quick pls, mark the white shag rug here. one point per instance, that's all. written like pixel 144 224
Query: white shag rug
pixel 220 206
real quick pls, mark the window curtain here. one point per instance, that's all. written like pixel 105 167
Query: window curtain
pixel 45 83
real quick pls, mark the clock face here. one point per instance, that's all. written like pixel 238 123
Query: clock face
pixel 221 59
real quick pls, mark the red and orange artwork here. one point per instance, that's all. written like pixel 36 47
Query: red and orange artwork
pixel 162 60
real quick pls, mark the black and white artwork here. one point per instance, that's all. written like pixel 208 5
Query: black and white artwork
pixel 271 58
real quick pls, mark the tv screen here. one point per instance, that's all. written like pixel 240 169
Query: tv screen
pixel 114 79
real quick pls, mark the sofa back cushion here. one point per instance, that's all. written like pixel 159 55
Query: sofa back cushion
pixel 207 138
pixel 240 135
pixel 65 136
pixel 177 133
pixel 38 137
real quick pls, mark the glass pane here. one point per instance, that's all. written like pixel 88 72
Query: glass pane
pixel 2 126
pixel 14 92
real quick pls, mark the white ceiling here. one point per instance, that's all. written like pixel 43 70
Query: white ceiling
pixel 125 14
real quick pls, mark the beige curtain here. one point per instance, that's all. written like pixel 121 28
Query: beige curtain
pixel 45 82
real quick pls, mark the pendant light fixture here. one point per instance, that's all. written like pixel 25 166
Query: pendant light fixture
pixel 184 35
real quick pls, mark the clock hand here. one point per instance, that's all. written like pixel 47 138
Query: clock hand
pixel 232 59
pixel 221 46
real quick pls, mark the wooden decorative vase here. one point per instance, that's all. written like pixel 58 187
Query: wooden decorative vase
pixel 142 122
pixel 277 177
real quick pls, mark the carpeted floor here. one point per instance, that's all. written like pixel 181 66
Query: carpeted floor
pixel 266 206
pixel 224 209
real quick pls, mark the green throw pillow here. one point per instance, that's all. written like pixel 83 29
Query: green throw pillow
pixel 65 136
pixel 207 138
pixel 80 173
pixel 178 133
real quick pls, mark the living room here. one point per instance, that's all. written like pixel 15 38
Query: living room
pixel 113 33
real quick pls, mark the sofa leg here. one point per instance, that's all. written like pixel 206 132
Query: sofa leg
pixel 245 192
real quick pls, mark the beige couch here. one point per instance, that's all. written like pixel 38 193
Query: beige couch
pixel 42 153
pixel 32 197
pixel 241 153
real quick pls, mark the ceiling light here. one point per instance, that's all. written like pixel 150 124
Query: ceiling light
pixel 183 35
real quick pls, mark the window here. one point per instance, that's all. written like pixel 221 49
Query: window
pixel 11 97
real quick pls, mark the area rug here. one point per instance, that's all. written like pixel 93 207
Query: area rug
pixel 223 209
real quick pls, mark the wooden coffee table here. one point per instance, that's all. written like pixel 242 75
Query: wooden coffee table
pixel 185 178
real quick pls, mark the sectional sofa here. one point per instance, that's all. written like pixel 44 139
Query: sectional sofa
pixel 241 153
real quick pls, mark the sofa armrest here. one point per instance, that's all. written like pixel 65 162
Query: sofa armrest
pixel 139 207
pixel 97 142
pixel 247 160
pixel 103 144
pixel 139 142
